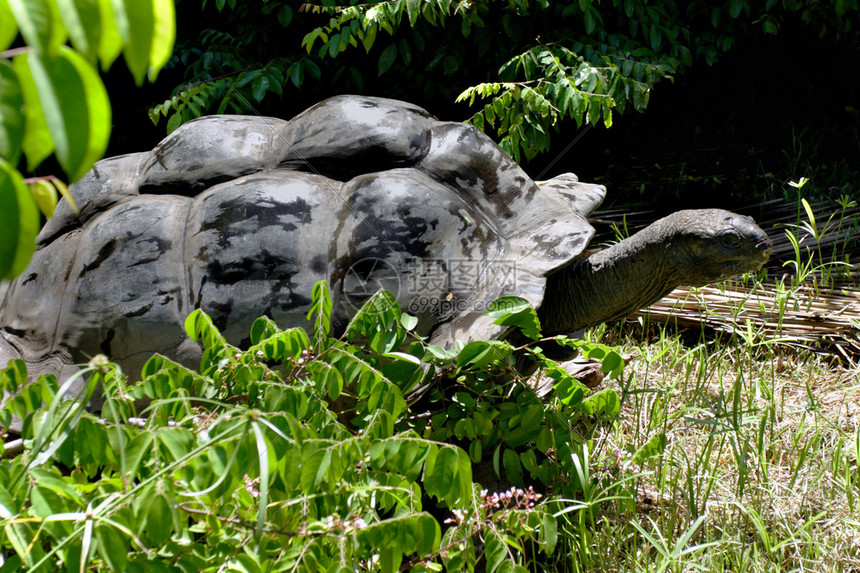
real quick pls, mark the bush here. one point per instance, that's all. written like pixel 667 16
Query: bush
pixel 300 453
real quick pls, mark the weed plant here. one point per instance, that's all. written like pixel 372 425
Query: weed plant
pixel 811 265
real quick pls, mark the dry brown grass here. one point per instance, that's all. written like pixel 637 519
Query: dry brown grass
pixel 761 439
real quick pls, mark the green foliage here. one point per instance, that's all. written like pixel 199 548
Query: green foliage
pixel 224 69
pixel 810 265
pixel 19 222
pixel 527 64
pixel 53 101
pixel 301 453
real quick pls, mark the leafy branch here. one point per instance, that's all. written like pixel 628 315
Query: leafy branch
pixel 53 101
pixel 292 477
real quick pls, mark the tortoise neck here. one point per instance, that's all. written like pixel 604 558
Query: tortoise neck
pixel 610 284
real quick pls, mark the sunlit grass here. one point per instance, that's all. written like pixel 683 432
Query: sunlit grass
pixel 759 472
pixel 762 441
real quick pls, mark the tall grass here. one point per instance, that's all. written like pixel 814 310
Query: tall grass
pixel 757 468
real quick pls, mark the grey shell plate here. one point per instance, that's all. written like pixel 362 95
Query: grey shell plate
pixel 240 216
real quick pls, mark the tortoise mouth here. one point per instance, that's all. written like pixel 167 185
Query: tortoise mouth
pixel 747 265
pixel 738 267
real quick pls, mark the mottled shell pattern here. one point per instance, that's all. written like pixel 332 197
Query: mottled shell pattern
pixel 240 216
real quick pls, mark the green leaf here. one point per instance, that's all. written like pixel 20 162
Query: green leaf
pixel 112 547
pixel 285 16
pixel 613 363
pixel 110 39
pixel 735 8
pixel 605 404
pixel 46 502
pixel 520 436
pixel 476 450
pixel 296 73
pixel 310 38
pixel 464 478
pixel 200 328
pixel 548 533
pixel 312 68
pixel 495 552
pixel 314 468
pixel 427 534
pixel 82 19
pixel 369 37
pixel 412 9
pixel 11 114
pixel 478 353
pixel 37 143
pixel 594 110
pixel 148 29
pixel 260 87
pixel 515 311
pixel 443 476
pixel 320 311
pixel 8 505
pixel 378 313
pixel 159 518
pixel 655 38
pixel 388 340
pixel 177 441
pixel 90 440
pixel 327 379
pixel 450 64
pixel 513 468
pixel 263 328
pixel 532 417
pixel 9 29
pixel 14 376
pixel 263 461
pixel 284 346
pixel 653 448
pixel 45 195
pixel 19 222
pixel 408 321
pixel 74 103
pixel 163 36
pixel 405 52
pixel 139 448
pixel 20 536
pixel 174 122
pixel 590 21
pixel 135 21
pixel 39 23
pixel 386 59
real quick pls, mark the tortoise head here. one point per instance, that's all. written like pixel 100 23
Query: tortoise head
pixel 707 245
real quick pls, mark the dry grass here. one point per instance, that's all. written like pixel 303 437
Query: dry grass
pixel 761 444
pixel 806 317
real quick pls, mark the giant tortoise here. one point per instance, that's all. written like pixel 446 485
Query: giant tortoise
pixel 240 216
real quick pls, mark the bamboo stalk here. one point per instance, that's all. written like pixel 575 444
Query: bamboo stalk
pixel 822 317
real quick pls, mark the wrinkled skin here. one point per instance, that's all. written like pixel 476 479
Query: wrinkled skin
pixel 690 248
pixel 240 216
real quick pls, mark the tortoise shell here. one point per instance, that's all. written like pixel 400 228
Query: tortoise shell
pixel 240 216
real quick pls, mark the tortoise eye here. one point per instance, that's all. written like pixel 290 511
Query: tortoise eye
pixel 730 240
